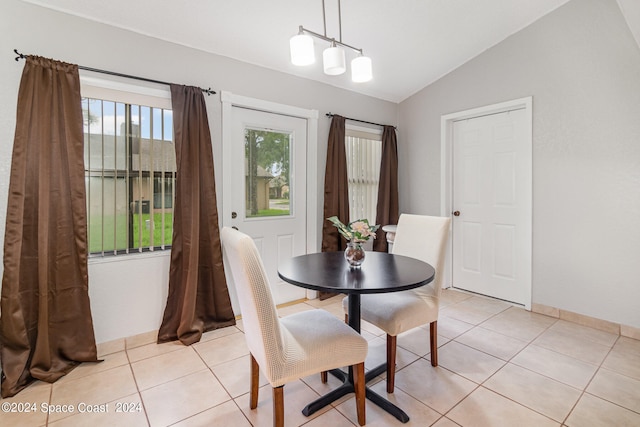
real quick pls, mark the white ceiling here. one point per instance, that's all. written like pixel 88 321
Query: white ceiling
pixel 412 43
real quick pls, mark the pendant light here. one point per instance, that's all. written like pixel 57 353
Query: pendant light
pixel 302 52
pixel 333 57
pixel 333 60
pixel 361 70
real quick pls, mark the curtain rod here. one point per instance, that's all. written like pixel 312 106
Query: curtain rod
pixel 357 120
pixel 113 73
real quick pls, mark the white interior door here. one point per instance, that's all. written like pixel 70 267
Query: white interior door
pixel 264 178
pixel 492 178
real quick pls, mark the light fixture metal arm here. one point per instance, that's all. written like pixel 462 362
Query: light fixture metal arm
pixel 330 40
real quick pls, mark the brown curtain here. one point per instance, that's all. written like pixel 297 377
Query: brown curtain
pixel 198 298
pixel 387 209
pixel 336 191
pixel 46 326
pixel 336 187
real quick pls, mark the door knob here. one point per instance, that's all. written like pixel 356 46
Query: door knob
pixel 234 215
pixel 456 213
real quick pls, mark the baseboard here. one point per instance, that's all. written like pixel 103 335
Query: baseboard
pixel 151 337
pixel 592 322
pixel 122 344
pixel 615 328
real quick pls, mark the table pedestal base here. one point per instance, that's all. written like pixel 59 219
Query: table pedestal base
pixel 384 272
pixel 347 387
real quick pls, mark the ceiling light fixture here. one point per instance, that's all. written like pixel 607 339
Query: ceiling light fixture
pixel 333 60
pixel 333 57
pixel 302 49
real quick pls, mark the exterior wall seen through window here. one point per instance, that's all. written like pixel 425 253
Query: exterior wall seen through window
pixel 130 173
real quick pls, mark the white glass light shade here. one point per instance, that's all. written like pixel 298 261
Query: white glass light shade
pixel 361 70
pixel 302 52
pixel 334 61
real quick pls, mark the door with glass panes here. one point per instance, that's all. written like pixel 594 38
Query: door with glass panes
pixel 267 181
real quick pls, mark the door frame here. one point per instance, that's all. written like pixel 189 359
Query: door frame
pixel 446 171
pixel 230 100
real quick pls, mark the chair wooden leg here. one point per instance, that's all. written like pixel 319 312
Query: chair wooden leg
pixel 278 406
pixel 433 331
pixel 255 372
pixel 346 319
pixel 359 385
pixel 391 362
pixel 323 377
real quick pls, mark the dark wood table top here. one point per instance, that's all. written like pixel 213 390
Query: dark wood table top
pixel 380 272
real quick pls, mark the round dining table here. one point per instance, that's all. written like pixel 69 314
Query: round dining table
pixel 380 273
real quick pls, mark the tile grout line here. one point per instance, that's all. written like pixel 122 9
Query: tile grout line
pixel 582 392
pixel 531 342
pixel 139 392
pixel 46 421
pixel 232 399
pixel 591 380
pixel 482 384
pixel 599 367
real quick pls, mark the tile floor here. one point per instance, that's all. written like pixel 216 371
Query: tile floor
pixel 499 366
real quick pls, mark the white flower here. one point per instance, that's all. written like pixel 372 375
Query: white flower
pixel 358 231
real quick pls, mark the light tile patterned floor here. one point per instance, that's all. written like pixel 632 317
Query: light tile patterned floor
pixel 499 366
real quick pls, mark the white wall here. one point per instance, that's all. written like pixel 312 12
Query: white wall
pixel 128 297
pixel 582 67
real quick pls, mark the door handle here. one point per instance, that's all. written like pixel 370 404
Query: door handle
pixel 234 227
pixel 456 213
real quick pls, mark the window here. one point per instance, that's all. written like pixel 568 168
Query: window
pixel 364 153
pixel 267 159
pixel 130 176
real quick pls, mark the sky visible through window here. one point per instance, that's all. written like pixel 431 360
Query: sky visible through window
pixel 110 116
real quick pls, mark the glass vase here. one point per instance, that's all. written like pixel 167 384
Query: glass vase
pixel 354 254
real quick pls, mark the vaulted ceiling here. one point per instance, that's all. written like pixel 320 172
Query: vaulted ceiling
pixel 412 43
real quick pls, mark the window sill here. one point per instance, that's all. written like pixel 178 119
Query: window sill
pixel 128 257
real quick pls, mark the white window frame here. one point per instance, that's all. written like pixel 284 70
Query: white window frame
pixel 95 86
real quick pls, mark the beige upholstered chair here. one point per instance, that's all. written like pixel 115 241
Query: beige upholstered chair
pixel 424 238
pixel 288 348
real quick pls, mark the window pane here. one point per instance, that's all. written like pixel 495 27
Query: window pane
pixel 95 134
pixel 168 125
pixel 162 192
pixel 169 185
pixel 109 139
pixel 121 211
pixel 142 220
pixel 267 160
pixel 363 172
pixel 95 214
pixel 130 177
pixel 157 123
pixel 85 125
pixel 109 214
pixel 121 136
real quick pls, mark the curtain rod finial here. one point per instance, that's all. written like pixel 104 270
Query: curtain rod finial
pixel 20 56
